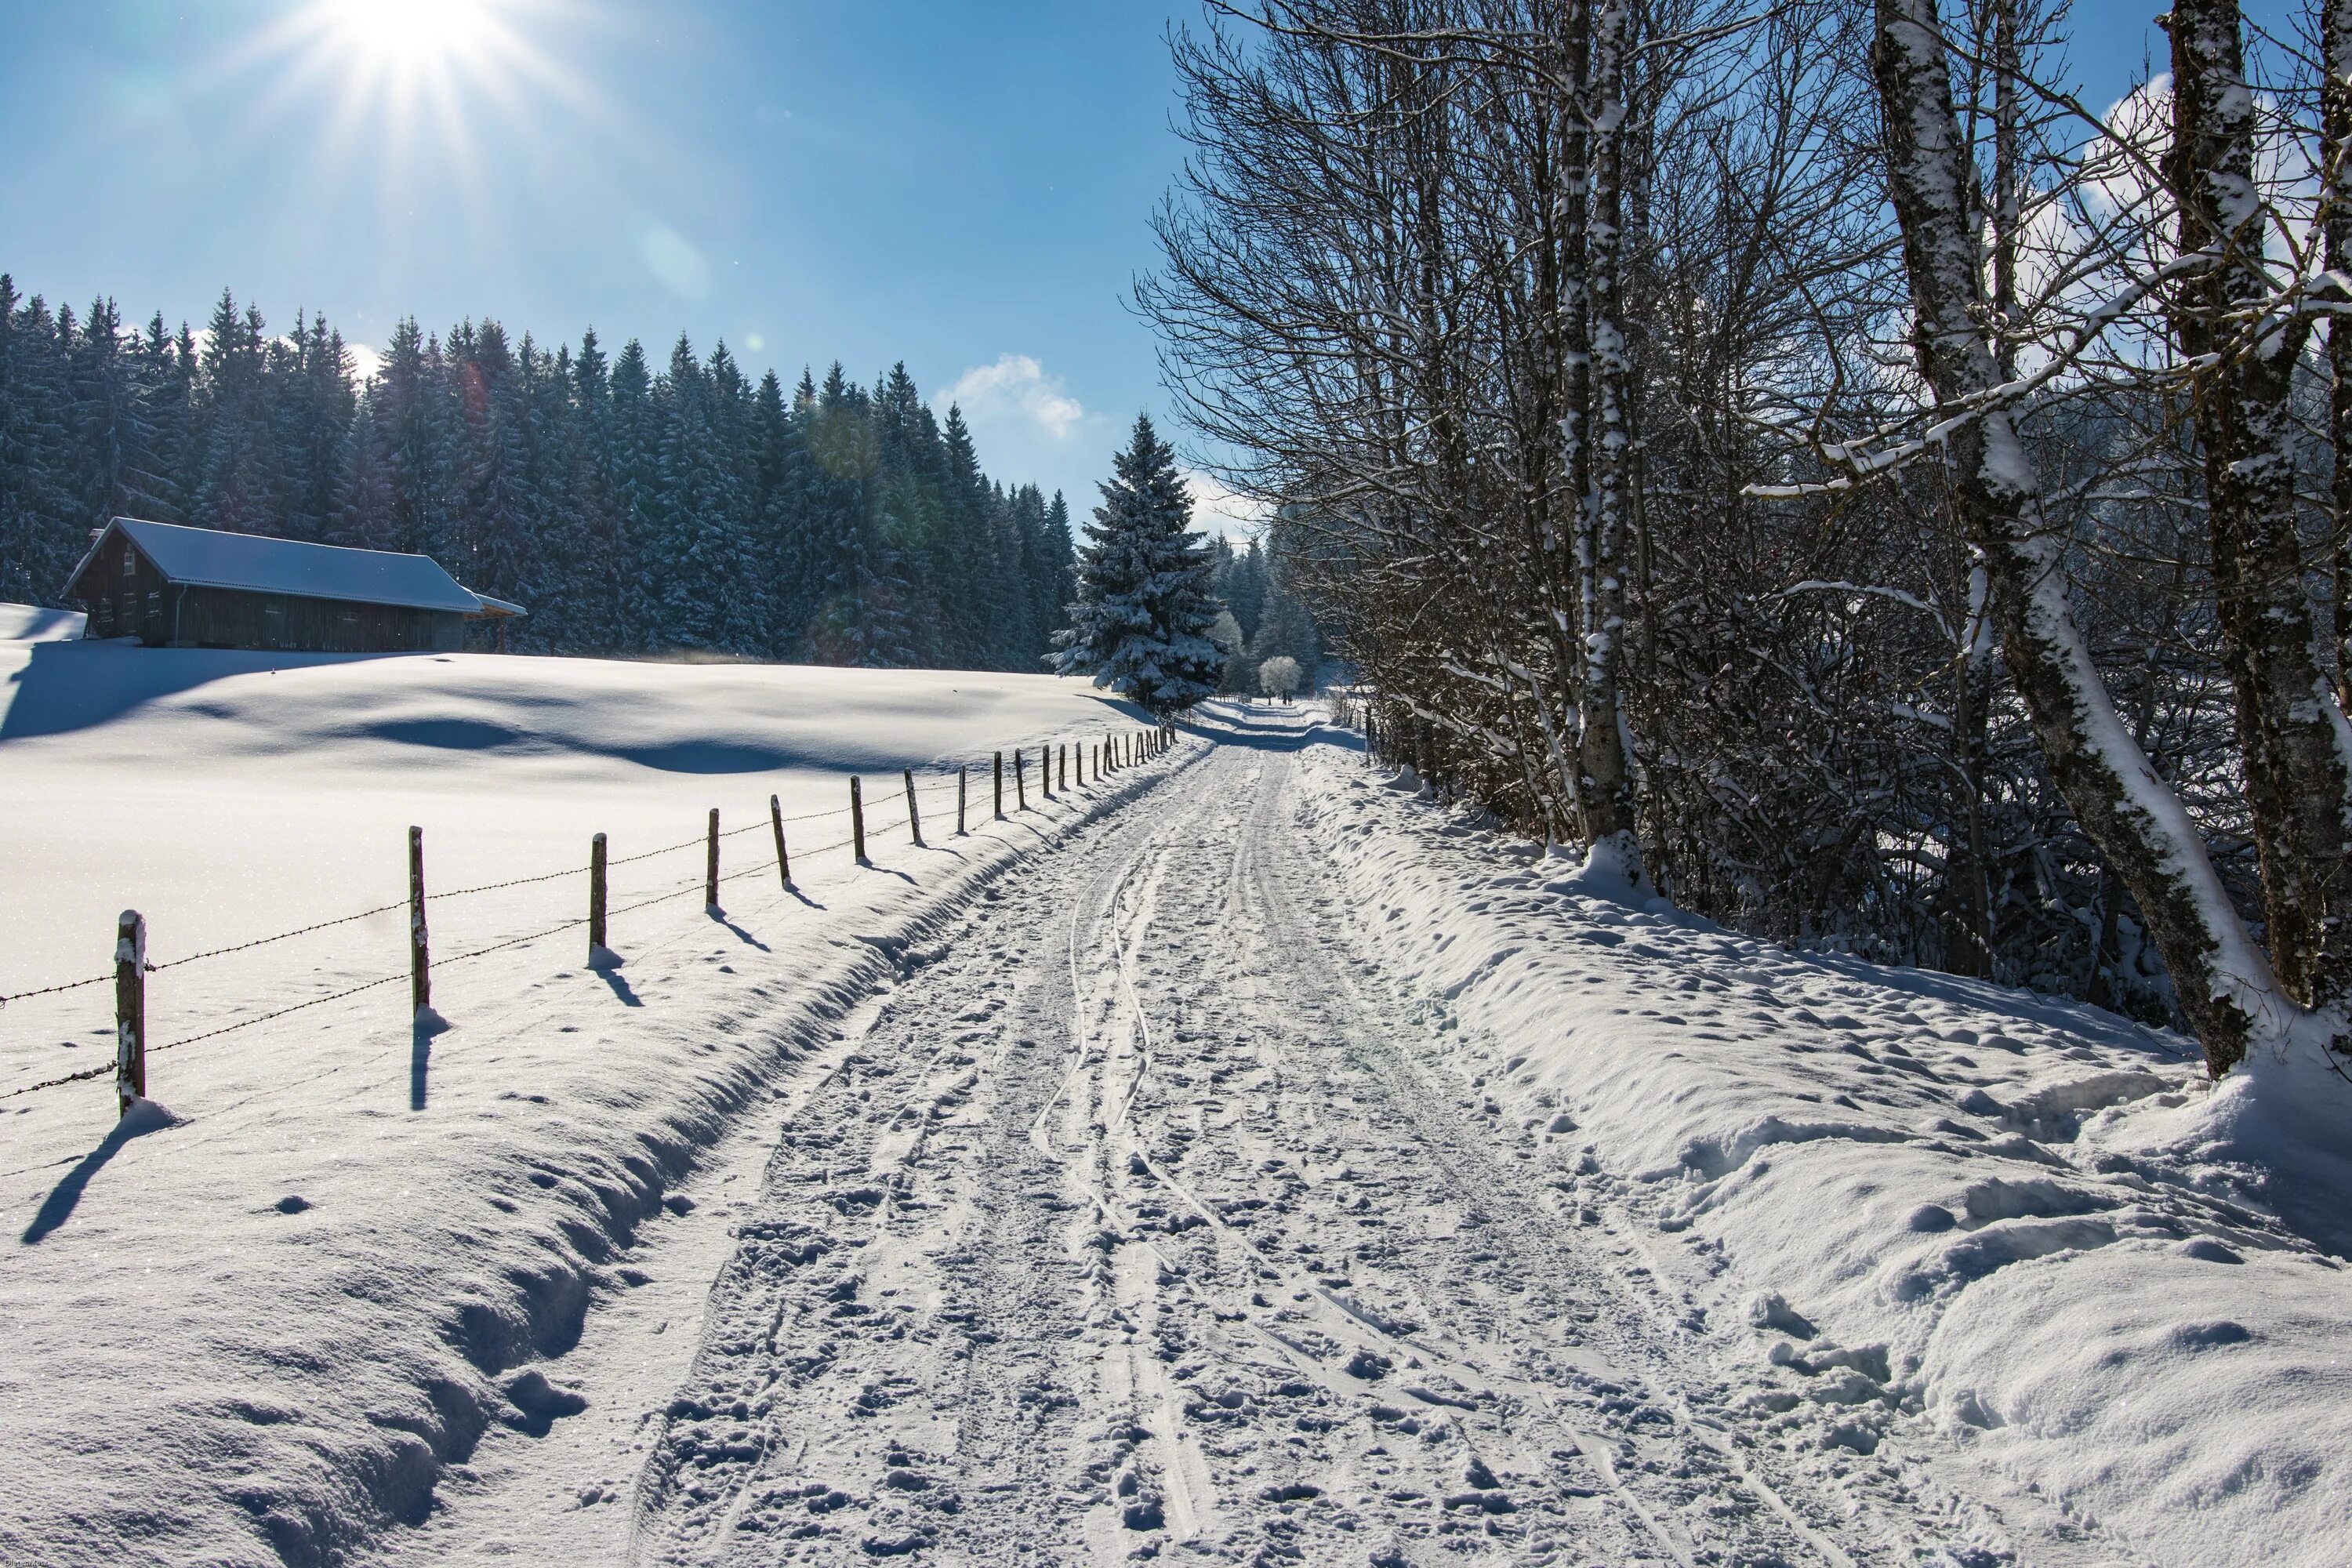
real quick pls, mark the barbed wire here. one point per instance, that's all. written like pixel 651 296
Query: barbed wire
pixel 52 990
pixel 69 1077
pixel 281 936
pixel 279 1013
pixel 939 788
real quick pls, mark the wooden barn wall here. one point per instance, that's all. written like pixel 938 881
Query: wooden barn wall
pixel 120 606
pixel 139 602
pixel 230 618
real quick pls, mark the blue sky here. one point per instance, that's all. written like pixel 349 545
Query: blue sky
pixel 964 186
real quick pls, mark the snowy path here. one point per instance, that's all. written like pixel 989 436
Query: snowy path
pixel 1141 1222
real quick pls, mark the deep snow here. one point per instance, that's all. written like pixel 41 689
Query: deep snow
pixel 1917 1213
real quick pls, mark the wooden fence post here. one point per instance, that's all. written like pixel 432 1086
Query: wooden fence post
pixel 1000 786
pixel 914 817
pixel 1020 787
pixel 420 963
pixel 962 779
pixel 857 818
pixel 595 898
pixel 1045 770
pixel 129 1010
pixel 783 859
pixel 1062 759
pixel 710 865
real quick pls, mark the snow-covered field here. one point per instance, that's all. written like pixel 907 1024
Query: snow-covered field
pixel 1245 1162
pixel 256 1332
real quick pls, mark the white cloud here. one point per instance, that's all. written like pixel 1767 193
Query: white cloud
pixel 1017 386
pixel 1220 510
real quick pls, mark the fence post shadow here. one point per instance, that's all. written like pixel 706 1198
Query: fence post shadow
pixel 719 915
pixel 145 1115
pixel 420 1052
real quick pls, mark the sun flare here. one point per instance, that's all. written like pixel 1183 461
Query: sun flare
pixel 407 35
pixel 416 78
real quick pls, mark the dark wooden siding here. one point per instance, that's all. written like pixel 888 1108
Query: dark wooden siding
pixel 127 596
pixel 127 603
pixel 228 617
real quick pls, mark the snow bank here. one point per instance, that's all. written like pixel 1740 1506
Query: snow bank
pixel 256 1321
pixel 1911 1208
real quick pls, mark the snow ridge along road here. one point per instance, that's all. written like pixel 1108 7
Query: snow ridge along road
pixel 1144 1220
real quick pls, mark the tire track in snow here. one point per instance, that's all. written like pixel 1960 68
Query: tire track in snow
pixel 1159 1240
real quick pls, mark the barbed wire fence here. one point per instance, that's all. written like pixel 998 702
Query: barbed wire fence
pixel 1092 759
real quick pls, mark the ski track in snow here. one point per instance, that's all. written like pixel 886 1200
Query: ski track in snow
pixel 1142 1220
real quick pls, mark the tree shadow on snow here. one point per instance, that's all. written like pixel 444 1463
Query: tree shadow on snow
pixel 69 686
pixel 1233 727
pixel 145 1116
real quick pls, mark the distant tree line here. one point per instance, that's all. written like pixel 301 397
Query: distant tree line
pixel 1268 621
pixel 630 508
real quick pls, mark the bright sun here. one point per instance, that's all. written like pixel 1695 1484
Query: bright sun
pixel 413 82
pixel 404 34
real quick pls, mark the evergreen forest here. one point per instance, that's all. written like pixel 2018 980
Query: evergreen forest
pixel 631 507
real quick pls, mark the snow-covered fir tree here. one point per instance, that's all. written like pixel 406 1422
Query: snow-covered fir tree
pixel 1141 621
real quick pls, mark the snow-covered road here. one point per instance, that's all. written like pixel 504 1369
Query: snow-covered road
pixel 1139 1218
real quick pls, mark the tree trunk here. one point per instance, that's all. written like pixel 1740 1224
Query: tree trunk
pixel 1606 788
pixel 2226 989
pixel 2297 753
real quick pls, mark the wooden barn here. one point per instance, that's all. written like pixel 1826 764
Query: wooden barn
pixel 198 587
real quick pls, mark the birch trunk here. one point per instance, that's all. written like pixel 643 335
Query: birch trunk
pixel 2291 729
pixel 2226 988
pixel 2335 163
pixel 1603 748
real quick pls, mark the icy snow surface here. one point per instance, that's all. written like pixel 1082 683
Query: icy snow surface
pixel 30 623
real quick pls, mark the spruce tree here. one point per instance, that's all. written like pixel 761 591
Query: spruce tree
pixel 1140 622
pixel 632 460
pixel 363 486
pixel 629 508
pixel 1286 631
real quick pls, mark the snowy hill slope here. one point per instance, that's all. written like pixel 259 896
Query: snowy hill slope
pixel 231 794
pixel 1924 1220
pixel 279 1306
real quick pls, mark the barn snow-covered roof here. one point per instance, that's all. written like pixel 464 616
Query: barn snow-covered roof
pixel 208 558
